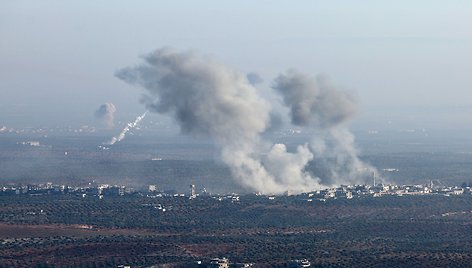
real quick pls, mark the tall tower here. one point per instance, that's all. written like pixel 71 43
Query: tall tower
pixel 193 192
pixel 373 177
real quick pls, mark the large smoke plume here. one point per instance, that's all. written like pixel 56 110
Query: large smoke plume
pixel 207 98
pixel 106 114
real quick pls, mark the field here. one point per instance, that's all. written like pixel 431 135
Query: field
pixel 420 231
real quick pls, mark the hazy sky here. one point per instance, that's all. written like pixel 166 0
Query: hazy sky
pixel 58 58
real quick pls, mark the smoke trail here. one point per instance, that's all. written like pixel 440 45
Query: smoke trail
pixel 207 98
pixel 106 113
pixel 128 127
pixel 316 104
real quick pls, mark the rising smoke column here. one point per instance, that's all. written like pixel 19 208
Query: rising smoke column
pixel 125 130
pixel 207 98
pixel 316 104
pixel 106 113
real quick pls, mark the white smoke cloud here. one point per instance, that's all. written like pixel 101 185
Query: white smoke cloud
pixel 125 130
pixel 288 168
pixel 206 98
pixel 106 113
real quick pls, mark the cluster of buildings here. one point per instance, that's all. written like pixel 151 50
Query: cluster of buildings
pixel 92 189
pixel 379 190
pixel 225 263
pixel 100 190
pixel 46 131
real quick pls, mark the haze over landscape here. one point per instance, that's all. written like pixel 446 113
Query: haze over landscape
pixel 407 62
pixel 235 133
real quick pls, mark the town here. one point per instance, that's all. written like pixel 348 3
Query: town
pixel 103 225
pixel 101 190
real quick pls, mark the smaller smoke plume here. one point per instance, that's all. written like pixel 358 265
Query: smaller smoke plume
pixel 106 113
pixel 314 101
pixel 254 78
pixel 316 104
pixel 128 127
pixel 337 160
